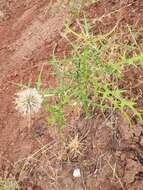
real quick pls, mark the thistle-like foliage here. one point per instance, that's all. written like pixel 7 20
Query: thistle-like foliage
pixel 28 101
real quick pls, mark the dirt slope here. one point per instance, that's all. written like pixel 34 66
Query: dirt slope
pixel 28 32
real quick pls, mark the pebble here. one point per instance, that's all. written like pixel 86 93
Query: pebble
pixel 76 172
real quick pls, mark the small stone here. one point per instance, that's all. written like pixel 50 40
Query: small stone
pixel 76 172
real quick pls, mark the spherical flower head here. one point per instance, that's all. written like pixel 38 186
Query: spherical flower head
pixel 28 101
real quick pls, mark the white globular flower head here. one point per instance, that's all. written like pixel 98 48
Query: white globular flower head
pixel 28 101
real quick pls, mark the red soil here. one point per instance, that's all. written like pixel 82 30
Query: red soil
pixel 29 30
pixel 28 34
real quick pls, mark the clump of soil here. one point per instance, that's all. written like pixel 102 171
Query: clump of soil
pixel 110 152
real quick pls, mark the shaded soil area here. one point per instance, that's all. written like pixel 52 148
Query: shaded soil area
pixel 111 154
